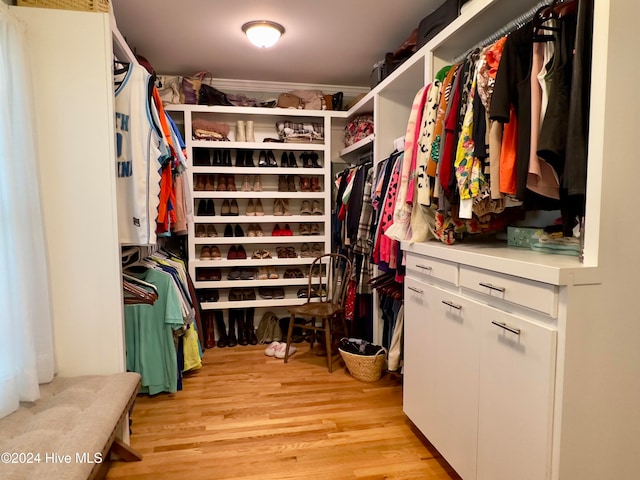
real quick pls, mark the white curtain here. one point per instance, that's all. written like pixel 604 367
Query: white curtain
pixel 26 343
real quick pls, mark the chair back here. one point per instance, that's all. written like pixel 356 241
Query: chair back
pixel 329 276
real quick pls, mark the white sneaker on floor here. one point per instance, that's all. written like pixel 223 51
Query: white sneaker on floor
pixel 282 349
pixel 270 351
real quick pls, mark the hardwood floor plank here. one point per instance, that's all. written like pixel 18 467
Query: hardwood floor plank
pixel 245 416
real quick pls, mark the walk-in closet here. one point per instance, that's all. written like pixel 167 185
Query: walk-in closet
pixel 389 241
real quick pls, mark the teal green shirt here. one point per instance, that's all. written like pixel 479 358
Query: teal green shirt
pixel 149 329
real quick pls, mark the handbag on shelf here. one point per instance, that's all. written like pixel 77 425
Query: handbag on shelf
pixel 211 96
pixel 311 99
pixel 169 88
pixel 289 100
pixel 191 87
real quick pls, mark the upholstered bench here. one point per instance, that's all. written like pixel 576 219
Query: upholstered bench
pixel 70 431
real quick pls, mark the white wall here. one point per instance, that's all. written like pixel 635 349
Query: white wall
pixel 71 64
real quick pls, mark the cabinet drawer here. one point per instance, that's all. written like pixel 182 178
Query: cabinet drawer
pixel 427 268
pixel 538 296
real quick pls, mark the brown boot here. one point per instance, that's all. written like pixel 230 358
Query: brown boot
pixel 210 341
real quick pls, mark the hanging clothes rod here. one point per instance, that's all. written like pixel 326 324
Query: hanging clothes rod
pixel 519 22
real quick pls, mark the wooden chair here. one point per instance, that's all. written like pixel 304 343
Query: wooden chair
pixel 326 294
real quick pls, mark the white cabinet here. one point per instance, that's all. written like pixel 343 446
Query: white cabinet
pixel 456 356
pixel 517 375
pixel 479 381
pixel 442 351
pixel 290 209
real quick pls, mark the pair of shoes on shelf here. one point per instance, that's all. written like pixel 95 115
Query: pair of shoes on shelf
pixel 313 208
pixel 286 252
pixel 310 184
pixel 226 183
pixel 206 208
pixel 241 294
pixel 244 158
pixel 237 273
pixel 281 232
pixel 286 183
pixel 266 159
pixel 229 231
pixel 279 349
pixel 271 292
pixel 208 275
pixel 221 158
pixel 288 160
pixel 206 231
pixel 306 251
pixel 309 229
pixel 236 252
pixel 208 295
pixel 261 253
pixel 293 273
pixel 230 208
pixel 208 252
pixel 201 157
pixel 281 207
pixel 254 209
pixel 267 273
pixel 310 160
pixel 255 230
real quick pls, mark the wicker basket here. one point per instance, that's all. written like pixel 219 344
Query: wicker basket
pixel 367 368
pixel 82 5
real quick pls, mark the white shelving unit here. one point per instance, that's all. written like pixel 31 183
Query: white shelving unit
pixel 264 124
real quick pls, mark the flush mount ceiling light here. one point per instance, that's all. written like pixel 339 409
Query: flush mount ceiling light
pixel 263 33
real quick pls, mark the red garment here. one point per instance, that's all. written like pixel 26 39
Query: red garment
pixel 449 150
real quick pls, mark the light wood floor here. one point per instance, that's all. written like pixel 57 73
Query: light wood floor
pixel 248 416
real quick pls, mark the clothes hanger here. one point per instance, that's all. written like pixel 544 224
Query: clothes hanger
pixel 141 282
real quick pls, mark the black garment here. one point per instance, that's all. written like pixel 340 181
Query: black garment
pixel 513 87
pixel 479 133
pixel 355 204
pixel 575 179
pixel 552 143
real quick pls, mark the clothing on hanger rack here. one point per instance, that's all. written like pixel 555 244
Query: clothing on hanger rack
pixel 508 28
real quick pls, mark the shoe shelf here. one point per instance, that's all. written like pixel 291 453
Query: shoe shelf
pixel 256 170
pixel 257 146
pixel 270 239
pixel 259 302
pixel 261 219
pixel 250 262
pixel 213 163
pixel 263 194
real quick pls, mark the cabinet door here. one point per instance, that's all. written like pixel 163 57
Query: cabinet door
pixel 517 377
pixel 457 352
pixel 419 357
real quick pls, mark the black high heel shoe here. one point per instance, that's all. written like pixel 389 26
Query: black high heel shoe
pixel 292 160
pixel 248 158
pixel 271 159
pixel 284 160
pixel 262 159
pixel 217 158
pixel 240 158
pixel 305 160
pixel 226 158
pixel 314 160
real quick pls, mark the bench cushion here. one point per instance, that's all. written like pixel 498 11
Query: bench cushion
pixel 74 415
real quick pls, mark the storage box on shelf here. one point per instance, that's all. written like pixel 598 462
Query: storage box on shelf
pixel 261 207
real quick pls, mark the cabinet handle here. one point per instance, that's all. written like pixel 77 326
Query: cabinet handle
pixel 425 267
pixel 452 305
pixel 417 290
pixel 506 327
pixel 492 287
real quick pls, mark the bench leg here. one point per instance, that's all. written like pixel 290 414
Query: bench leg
pixel 124 452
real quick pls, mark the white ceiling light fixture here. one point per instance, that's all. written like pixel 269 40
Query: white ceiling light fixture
pixel 263 33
